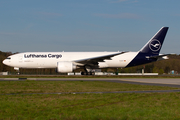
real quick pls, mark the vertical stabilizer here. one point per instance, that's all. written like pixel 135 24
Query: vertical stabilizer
pixel 153 46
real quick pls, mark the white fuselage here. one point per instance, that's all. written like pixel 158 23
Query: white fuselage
pixel 50 59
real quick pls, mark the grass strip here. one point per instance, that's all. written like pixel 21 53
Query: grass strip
pixel 116 106
pixel 91 106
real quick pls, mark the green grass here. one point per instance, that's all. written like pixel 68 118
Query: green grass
pixel 150 106
pixel 122 106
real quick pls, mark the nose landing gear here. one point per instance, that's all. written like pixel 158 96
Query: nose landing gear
pixel 17 69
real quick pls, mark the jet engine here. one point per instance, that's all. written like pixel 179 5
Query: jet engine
pixel 65 66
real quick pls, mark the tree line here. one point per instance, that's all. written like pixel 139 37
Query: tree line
pixel 161 67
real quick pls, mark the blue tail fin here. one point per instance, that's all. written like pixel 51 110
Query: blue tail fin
pixel 153 46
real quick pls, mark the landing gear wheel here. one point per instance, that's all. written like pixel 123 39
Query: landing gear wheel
pixel 82 73
pixel 87 73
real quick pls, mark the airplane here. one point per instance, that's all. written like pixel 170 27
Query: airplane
pixel 65 62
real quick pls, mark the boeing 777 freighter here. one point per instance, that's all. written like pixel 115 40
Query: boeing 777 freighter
pixel 66 62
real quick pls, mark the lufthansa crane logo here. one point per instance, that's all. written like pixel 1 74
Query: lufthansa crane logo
pixel 155 45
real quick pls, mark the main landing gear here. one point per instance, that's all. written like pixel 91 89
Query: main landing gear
pixel 88 72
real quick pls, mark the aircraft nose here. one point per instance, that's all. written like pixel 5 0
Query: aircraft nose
pixel 5 62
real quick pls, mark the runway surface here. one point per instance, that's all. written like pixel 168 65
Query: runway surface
pixel 141 81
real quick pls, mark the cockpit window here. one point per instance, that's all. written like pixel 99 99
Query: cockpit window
pixel 8 58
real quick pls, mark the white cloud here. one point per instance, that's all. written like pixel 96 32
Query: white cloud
pixel 117 1
pixel 177 15
pixel 120 16
pixel 8 34
pixel 51 14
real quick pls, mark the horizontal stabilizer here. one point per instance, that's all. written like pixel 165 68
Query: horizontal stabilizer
pixel 159 57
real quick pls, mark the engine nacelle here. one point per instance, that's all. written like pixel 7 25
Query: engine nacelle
pixel 65 67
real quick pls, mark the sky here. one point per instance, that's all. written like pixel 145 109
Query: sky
pixel 87 25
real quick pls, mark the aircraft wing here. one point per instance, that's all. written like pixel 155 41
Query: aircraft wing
pixel 94 61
